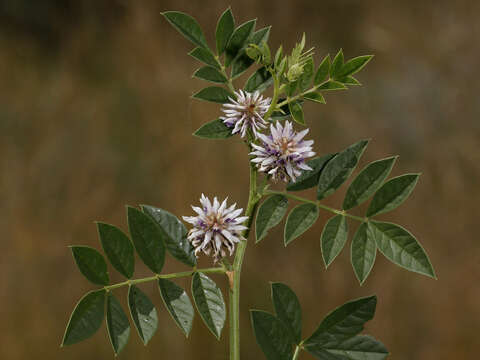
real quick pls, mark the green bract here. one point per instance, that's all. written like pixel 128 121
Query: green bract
pixel 287 79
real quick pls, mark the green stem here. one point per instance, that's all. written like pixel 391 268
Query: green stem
pixel 298 96
pixel 219 270
pixel 297 352
pixel 234 292
pixel 276 93
pixel 223 70
pixel 316 203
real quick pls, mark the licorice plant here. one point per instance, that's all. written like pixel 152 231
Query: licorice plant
pixel 278 152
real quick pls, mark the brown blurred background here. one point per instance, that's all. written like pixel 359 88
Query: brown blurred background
pixel 95 114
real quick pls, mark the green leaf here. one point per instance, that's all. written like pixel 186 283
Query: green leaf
pixel 272 335
pixel 354 65
pixel 117 324
pixel 178 304
pixel 401 247
pixel 86 318
pixel 333 238
pixel 118 248
pixel 225 27
pixel 260 80
pixel 363 253
pixel 299 220
pixel 393 193
pixel 187 26
pixel 238 40
pixel 214 129
pixel 242 62
pixel 350 80
pixel 270 213
pixel 209 73
pixel 209 302
pixel 205 56
pixel 174 234
pixel 360 347
pixel 323 71
pixel 308 74
pixel 296 112
pixel 315 97
pixel 309 178
pixel 91 264
pixel 337 64
pixel 342 323
pixel 214 94
pixel 332 85
pixel 143 313
pixel 147 238
pixel 367 182
pixel 338 170
pixel 288 310
pixel 285 111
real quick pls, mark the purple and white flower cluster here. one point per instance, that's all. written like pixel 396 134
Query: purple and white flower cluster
pixel 282 154
pixel 216 228
pixel 246 112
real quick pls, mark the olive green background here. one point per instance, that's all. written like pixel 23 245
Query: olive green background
pixel 95 113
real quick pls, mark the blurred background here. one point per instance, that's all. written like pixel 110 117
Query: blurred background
pixel 95 113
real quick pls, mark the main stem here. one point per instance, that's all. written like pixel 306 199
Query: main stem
pixel 234 293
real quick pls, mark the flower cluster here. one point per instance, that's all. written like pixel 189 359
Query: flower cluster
pixel 282 154
pixel 246 112
pixel 216 228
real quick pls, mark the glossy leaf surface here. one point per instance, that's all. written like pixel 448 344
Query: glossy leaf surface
pixel 86 318
pixel 401 247
pixel 91 264
pixel 178 304
pixel 300 219
pixel 174 234
pixel 272 336
pixel 118 248
pixel 209 302
pixel 363 253
pixel 333 238
pixel 338 170
pixel 270 213
pixel 147 238
pixel 143 313
pixel 118 326
pixel 287 307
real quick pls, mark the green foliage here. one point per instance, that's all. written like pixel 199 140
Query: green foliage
pixel 143 313
pixel 147 238
pixel 209 302
pixel 209 73
pixel 400 247
pixel 224 31
pixel 86 318
pixel 214 129
pixel 287 308
pixel 242 61
pixel 300 219
pixel 213 94
pixel 187 26
pixel 91 264
pixel 238 41
pixel 323 71
pixel 297 112
pixel 270 213
pixel 392 194
pixel 272 335
pixel 309 178
pixel 178 304
pixel 173 234
pixel 315 97
pixel 363 252
pixel 367 182
pixel 339 169
pixel 260 80
pixel 118 248
pixel 205 56
pixel 333 238
pixel 118 326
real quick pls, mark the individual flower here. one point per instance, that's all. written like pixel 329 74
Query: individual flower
pixel 216 228
pixel 246 112
pixel 282 154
